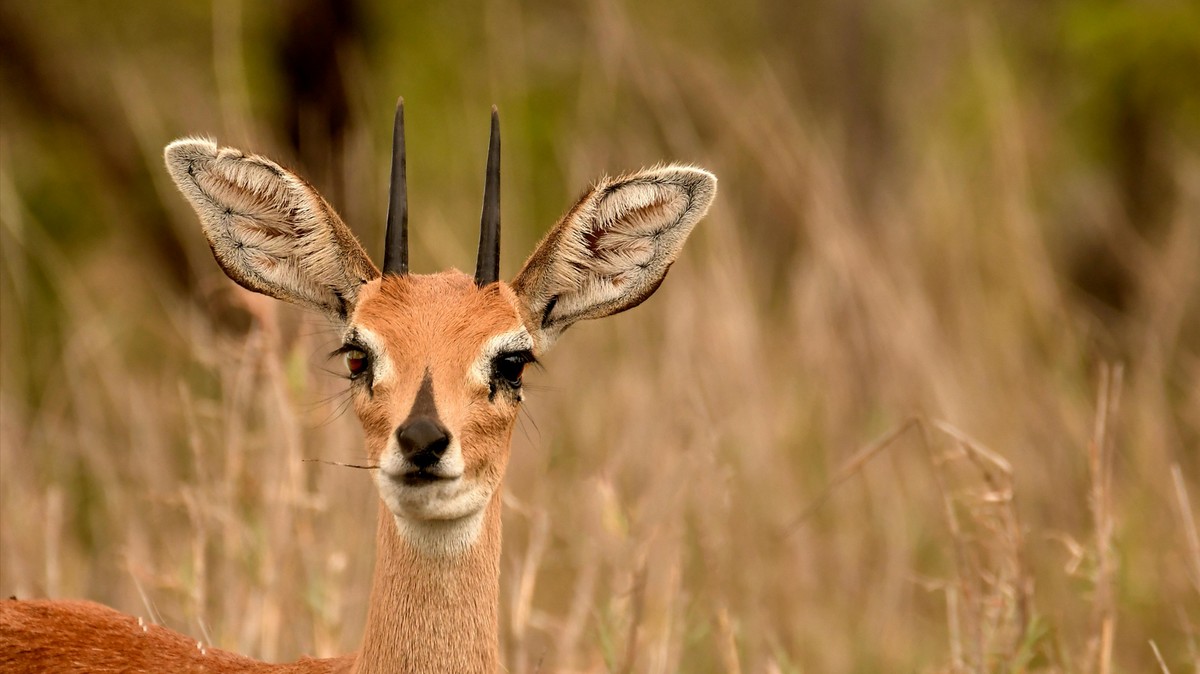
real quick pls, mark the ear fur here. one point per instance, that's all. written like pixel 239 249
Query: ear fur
pixel 612 249
pixel 269 229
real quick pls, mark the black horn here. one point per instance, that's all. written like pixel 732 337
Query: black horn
pixel 487 269
pixel 395 251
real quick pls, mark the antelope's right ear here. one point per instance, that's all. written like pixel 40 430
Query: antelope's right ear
pixel 269 229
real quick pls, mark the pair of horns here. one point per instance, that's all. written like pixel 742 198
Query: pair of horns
pixel 395 254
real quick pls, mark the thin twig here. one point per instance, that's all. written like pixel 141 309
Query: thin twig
pixel 1189 524
pixel 727 641
pixel 1002 492
pixel 1100 463
pixel 338 463
pixel 851 467
pixel 962 556
pixel 638 598
pixel 1162 664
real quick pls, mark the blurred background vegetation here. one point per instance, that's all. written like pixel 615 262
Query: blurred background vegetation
pixel 922 394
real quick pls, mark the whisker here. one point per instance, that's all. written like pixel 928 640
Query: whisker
pixel 338 411
pixel 328 371
pixel 330 398
pixel 523 415
pixel 331 333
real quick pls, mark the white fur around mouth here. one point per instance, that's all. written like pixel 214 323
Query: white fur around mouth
pixel 440 513
pixel 432 499
pixel 439 517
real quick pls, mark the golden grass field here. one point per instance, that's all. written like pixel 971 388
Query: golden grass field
pixel 921 395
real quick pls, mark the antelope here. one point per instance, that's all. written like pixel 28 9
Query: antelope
pixel 435 365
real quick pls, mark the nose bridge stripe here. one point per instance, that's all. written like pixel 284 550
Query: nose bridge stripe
pixel 424 405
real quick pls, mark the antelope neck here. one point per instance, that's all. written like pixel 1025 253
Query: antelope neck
pixel 433 612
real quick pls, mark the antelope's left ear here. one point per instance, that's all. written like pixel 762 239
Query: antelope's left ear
pixel 612 249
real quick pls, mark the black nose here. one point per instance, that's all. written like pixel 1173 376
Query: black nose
pixel 423 441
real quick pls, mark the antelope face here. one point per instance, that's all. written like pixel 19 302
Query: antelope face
pixel 435 361
pixel 435 366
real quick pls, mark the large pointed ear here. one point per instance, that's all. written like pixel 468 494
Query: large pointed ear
pixel 612 249
pixel 269 229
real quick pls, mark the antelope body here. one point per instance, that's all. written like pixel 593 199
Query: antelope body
pixel 435 365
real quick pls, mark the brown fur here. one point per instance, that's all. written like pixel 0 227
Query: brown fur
pixel 434 614
pixel 436 324
pixel 441 319
pixel 81 636
pixel 435 592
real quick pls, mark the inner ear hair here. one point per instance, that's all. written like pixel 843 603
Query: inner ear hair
pixel 613 248
pixel 270 231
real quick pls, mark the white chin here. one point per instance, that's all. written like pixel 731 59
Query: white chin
pixel 436 501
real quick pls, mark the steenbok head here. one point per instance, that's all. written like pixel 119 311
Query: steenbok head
pixel 435 361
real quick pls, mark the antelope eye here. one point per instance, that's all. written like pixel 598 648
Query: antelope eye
pixel 508 367
pixel 356 361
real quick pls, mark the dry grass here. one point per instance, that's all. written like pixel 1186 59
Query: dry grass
pixel 854 432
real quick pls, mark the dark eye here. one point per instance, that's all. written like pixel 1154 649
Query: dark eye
pixel 357 361
pixel 507 367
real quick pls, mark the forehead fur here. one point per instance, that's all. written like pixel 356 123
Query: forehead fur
pixel 430 311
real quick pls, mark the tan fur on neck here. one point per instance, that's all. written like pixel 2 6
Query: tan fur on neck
pixel 453 599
